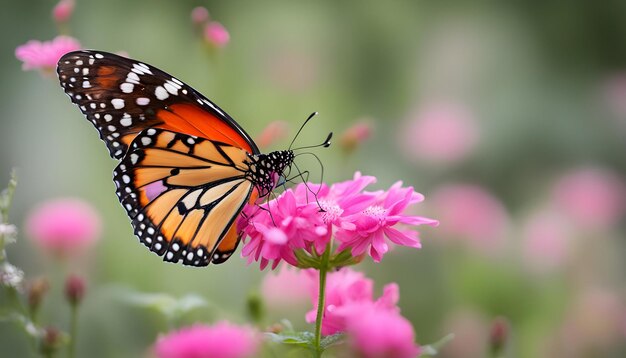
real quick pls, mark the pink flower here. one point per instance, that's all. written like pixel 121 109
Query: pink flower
pixel 45 55
pixel 63 10
pixel 64 227
pixel 281 227
pixel 221 340
pixel 287 287
pixel 215 34
pixel 377 222
pixel 382 333
pixel 199 15
pixel 593 198
pixel 348 293
pixel 341 201
pixel 471 213
pixel 361 221
pixel 440 133
pixel 273 132
pixel 547 240
pixel 355 135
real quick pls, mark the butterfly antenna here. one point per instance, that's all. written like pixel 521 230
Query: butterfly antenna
pixel 325 143
pixel 302 127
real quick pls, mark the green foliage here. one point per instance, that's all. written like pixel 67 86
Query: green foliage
pixel 170 307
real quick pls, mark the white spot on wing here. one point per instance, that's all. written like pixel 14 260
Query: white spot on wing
pixel 127 87
pixel 161 93
pixel 126 120
pixel 117 103
pixel 171 88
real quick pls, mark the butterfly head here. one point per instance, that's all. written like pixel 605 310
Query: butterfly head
pixel 267 169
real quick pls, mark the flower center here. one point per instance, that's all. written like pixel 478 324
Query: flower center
pixel 376 211
pixel 332 211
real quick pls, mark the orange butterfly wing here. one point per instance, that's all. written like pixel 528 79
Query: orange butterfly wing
pixel 121 97
pixel 183 160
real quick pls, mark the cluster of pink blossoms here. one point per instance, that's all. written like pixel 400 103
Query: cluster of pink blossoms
pixel 361 222
pixel 221 340
pixel 375 328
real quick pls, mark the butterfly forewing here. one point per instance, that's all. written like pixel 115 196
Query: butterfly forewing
pixel 183 193
pixel 186 167
pixel 122 97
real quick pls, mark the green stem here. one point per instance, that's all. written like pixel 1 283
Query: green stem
pixel 73 331
pixel 6 197
pixel 321 302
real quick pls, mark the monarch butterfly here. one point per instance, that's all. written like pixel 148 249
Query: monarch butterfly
pixel 186 168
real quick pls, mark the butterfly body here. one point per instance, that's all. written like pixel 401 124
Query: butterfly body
pixel 186 168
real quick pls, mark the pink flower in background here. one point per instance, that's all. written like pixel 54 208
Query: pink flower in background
pixel 352 137
pixel 199 15
pixel 221 340
pixel 546 241
pixel 44 56
pixel 472 213
pixel 440 133
pixel 216 35
pixel 593 198
pixel 382 333
pixel 348 294
pixel 286 287
pixel 377 222
pixel 273 132
pixel 63 10
pixel 64 227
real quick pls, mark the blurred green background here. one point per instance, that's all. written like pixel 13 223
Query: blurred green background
pixel 533 93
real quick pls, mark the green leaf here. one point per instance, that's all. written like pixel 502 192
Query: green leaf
pixel 169 306
pixel 433 349
pixel 6 196
pixel 302 339
pixel 333 339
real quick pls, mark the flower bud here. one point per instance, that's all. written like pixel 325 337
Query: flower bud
pixel 52 339
pixel 199 15
pixel 37 290
pixel 498 335
pixel 275 328
pixel 74 289
pixel 216 35
pixel 275 131
pixel 355 135
pixel 63 11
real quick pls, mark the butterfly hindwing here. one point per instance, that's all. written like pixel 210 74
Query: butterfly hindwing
pixel 122 97
pixel 183 194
